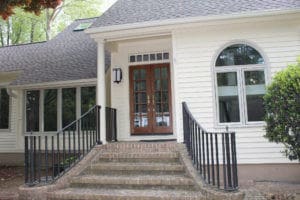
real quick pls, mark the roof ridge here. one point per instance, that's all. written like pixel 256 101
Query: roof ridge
pixel 24 44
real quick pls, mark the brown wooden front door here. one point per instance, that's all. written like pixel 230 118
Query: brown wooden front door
pixel 150 100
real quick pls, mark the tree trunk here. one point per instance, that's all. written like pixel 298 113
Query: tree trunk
pixel 8 32
pixel 32 30
pixel 1 36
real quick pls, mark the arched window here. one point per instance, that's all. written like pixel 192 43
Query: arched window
pixel 240 83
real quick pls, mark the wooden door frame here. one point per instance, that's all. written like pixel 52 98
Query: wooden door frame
pixel 149 130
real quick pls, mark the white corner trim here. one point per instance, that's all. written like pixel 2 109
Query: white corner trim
pixel 186 20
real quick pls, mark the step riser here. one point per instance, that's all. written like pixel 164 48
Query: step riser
pixel 134 181
pixel 135 187
pixel 132 172
pixel 109 197
pixel 140 160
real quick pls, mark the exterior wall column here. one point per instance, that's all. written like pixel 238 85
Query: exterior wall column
pixel 101 88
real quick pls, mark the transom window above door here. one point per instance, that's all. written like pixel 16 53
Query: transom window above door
pixel 240 85
pixel 149 57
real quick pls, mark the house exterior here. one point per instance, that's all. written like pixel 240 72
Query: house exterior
pixel 216 57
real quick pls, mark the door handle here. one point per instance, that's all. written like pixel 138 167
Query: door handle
pixel 148 99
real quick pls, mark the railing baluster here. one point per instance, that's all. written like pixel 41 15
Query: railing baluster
pixel 234 166
pixel 34 158
pixel 31 160
pixel 69 149
pixel 197 146
pixel 212 159
pixel 46 158
pixel 58 155
pixel 207 156
pixel 83 136
pixel 40 158
pixel 64 151
pixel 217 160
pixel 224 161
pixel 78 134
pixel 53 157
pixel 74 142
pixel 227 144
pixel 200 151
pixel 86 136
pixel 203 150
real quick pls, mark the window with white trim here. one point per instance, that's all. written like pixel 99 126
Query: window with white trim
pixel 241 85
pixel 4 109
pixel 51 109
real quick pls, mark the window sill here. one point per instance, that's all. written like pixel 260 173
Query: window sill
pixel 247 125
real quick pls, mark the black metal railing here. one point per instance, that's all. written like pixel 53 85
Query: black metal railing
pixel 111 124
pixel 213 154
pixel 47 157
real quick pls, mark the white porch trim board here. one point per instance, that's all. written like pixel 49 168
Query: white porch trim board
pixel 101 88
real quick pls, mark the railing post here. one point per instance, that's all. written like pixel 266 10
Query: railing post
pixel 98 134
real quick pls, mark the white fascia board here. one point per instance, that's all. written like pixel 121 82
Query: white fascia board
pixel 7 77
pixel 58 84
pixel 165 26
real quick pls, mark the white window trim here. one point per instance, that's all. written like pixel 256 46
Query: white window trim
pixel 239 69
pixel 59 107
pixel 9 114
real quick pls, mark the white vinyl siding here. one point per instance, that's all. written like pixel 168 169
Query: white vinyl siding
pixel 195 51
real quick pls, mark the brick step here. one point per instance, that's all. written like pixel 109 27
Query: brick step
pixel 139 157
pixel 117 194
pixel 133 182
pixel 141 147
pixel 135 168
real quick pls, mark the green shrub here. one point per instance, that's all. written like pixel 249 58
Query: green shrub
pixel 282 103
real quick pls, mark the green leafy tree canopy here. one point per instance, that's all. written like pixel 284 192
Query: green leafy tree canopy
pixel 282 102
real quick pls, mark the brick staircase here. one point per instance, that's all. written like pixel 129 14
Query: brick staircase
pixel 135 171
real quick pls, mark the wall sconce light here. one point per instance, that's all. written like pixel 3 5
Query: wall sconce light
pixel 117 75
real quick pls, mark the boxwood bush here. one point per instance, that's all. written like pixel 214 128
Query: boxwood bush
pixel 282 104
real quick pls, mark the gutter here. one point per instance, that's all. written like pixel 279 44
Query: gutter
pixel 169 22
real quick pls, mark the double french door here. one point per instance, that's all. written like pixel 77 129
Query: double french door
pixel 150 99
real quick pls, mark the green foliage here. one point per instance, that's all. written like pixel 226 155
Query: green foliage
pixel 282 102
pixel 26 27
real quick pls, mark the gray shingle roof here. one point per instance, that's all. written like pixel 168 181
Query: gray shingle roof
pixel 133 11
pixel 71 55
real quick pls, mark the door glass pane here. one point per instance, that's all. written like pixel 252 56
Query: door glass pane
pixel 68 106
pixel 32 110
pixel 4 109
pixel 157 73
pixel 157 84
pixel 255 90
pixel 228 97
pixel 164 72
pixel 165 86
pixel 50 110
pixel 143 74
pixel 140 98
